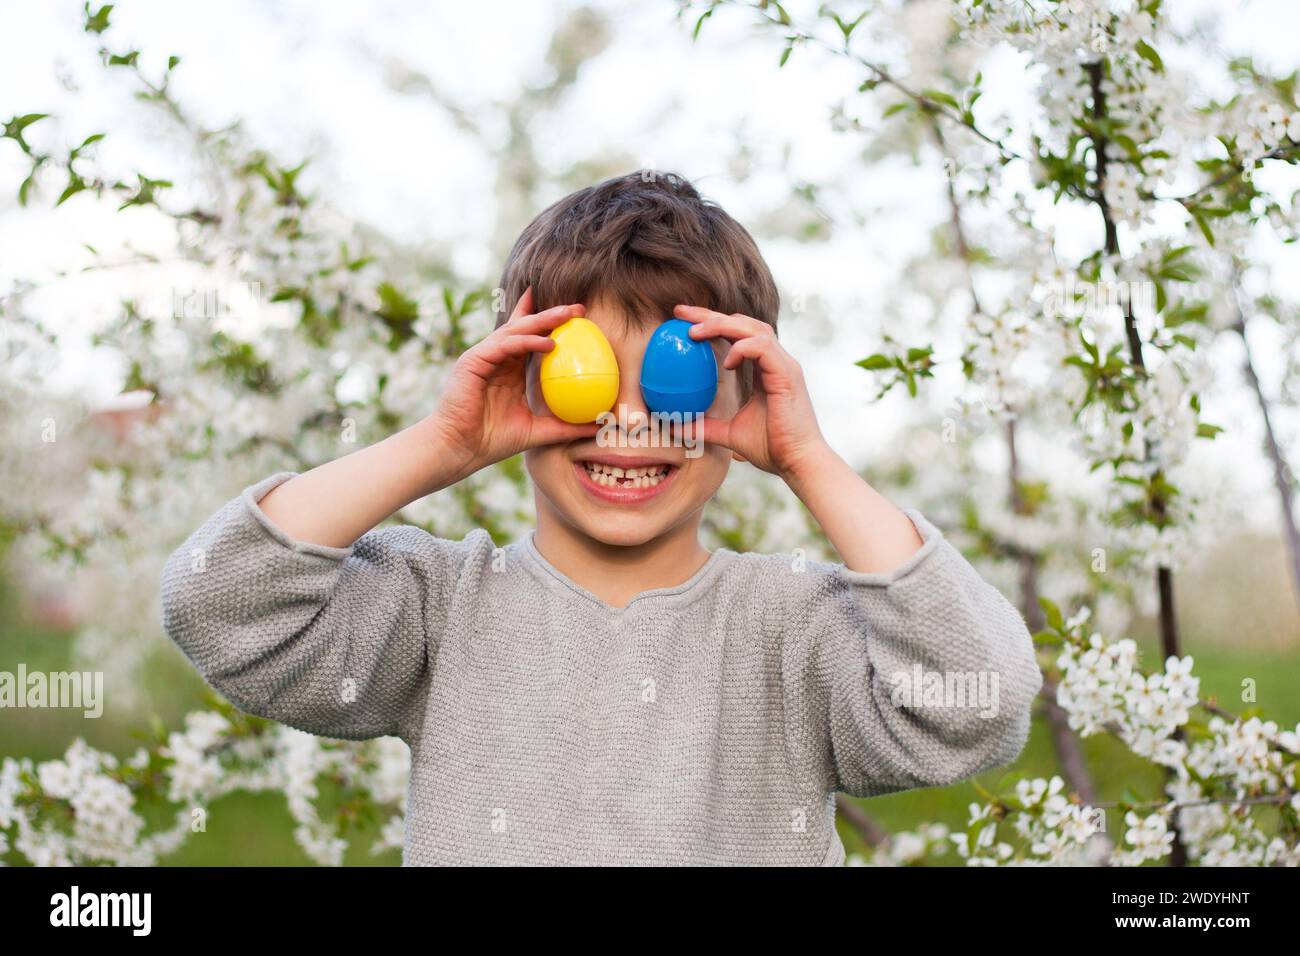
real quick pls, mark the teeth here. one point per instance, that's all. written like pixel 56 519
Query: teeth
pixel 609 476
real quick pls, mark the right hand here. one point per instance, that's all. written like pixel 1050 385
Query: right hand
pixel 484 413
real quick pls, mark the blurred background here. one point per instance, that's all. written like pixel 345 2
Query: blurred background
pixel 414 141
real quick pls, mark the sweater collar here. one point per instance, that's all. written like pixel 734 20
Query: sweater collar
pixel 680 594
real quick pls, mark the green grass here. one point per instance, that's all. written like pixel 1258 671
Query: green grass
pixel 255 829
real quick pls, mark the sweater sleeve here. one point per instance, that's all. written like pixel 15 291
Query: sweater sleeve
pixel 334 641
pixel 923 676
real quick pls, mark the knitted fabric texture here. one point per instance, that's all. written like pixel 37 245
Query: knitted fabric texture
pixel 707 723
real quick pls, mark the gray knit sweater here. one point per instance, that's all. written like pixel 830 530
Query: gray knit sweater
pixel 707 723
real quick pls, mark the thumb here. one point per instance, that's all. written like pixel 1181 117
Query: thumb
pixel 713 431
pixel 548 430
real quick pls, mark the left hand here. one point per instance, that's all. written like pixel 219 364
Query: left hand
pixel 776 430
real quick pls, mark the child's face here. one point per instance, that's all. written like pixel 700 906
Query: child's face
pixel 614 511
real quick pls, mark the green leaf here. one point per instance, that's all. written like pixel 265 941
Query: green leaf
pixel 1204 226
pixel 1054 617
pixel 847 28
pixel 875 362
pixel 1206 430
pixel 88 141
pixel 75 185
pixel 24 189
pixel 14 129
pixel 20 123
pixel 939 96
pixel 97 22
pixel 395 305
pixel 1148 53
pixel 699 24
pixel 144 193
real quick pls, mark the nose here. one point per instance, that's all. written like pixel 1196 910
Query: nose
pixel 629 381
pixel 630 409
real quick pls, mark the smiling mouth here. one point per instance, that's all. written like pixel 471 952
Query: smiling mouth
pixel 613 476
pixel 624 482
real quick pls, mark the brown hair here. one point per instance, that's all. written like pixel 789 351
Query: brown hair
pixel 646 241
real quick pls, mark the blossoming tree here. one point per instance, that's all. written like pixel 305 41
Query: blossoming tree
pixel 1090 354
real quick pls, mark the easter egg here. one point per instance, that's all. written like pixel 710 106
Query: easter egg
pixel 678 374
pixel 579 377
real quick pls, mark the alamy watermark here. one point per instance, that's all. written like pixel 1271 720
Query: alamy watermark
pixel 636 429
pixel 217 301
pixel 918 688
pixel 74 908
pixel 1073 298
pixel 57 689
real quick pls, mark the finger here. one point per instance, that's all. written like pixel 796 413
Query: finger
pixel 731 327
pixel 696 313
pixel 512 346
pixel 766 352
pixel 712 431
pixel 777 371
pixel 524 306
pixel 548 430
pixel 544 321
pixel 718 431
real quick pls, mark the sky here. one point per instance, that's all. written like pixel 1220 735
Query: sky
pixel 311 78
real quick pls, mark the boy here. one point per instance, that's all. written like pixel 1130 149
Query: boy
pixel 606 690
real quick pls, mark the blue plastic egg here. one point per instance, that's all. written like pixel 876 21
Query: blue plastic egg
pixel 678 373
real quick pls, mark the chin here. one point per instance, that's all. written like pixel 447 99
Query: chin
pixel 620 524
pixel 620 533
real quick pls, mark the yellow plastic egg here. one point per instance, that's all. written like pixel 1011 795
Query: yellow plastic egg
pixel 579 377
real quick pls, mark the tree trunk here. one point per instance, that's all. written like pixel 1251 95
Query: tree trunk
pixel 1283 480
